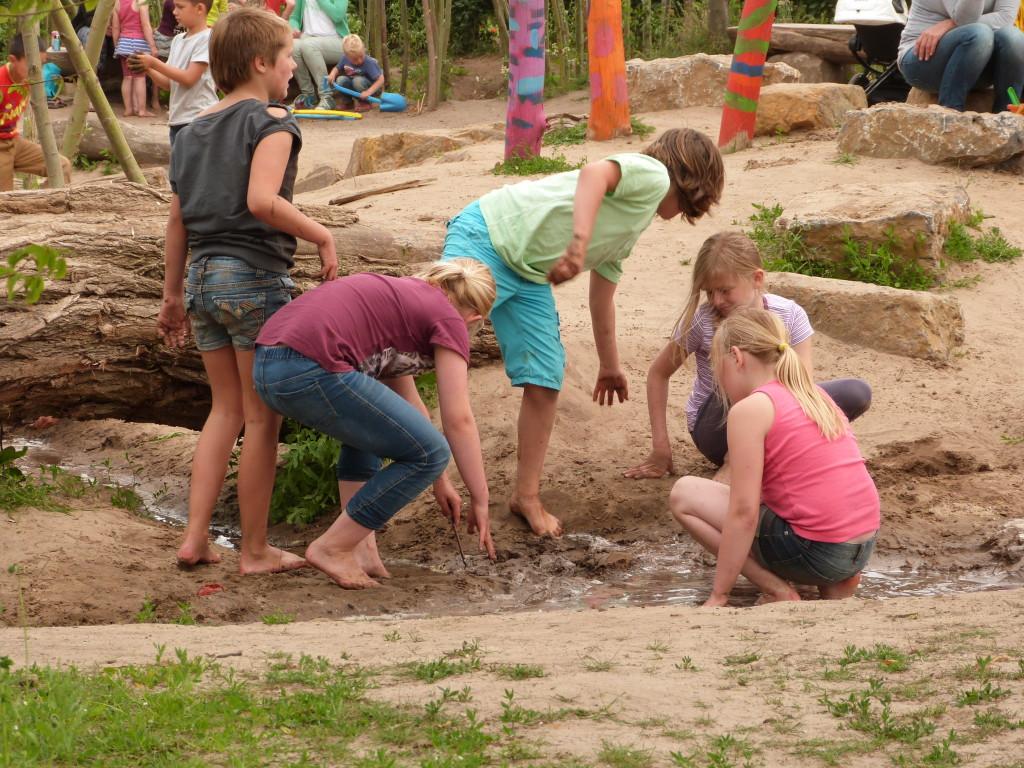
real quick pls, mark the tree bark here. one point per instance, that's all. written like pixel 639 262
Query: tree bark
pixel 609 101
pixel 718 20
pixel 80 107
pixel 87 77
pixel 406 53
pixel 501 19
pixel 433 62
pixel 524 119
pixel 89 348
pixel 29 28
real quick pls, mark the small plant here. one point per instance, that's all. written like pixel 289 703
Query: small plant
pixel 277 617
pixel 845 158
pixel 889 659
pixel 124 497
pixel 185 617
pixel 987 692
pixel 520 671
pixel 598 665
pixel 942 754
pixel 147 613
pixel 658 647
pixel 426 385
pixel 457 662
pixel 994 720
pixel 990 246
pixel 1013 440
pixel 305 486
pixel 620 756
pixel 741 659
pixel 393 636
pixel 686 665
pixel 48 264
pixel 110 163
pixel 533 166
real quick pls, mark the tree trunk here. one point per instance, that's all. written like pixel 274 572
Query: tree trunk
pixel 582 14
pixel 501 19
pixel 743 90
pixel 562 39
pixel 93 47
pixel 525 122
pixel 87 77
pixel 609 100
pixel 645 35
pixel 406 53
pixel 433 62
pixel 718 21
pixel 89 348
pixel 29 28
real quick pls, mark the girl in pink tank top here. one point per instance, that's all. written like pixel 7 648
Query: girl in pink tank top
pixel 801 507
pixel 133 33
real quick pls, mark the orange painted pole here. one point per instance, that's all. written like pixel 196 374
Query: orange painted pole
pixel 609 99
pixel 743 88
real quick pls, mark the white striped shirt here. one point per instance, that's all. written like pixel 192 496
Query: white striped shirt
pixel 702 331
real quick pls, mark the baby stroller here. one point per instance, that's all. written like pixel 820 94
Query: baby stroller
pixel 878 25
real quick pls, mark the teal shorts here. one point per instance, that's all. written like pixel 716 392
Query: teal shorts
pixel 524 316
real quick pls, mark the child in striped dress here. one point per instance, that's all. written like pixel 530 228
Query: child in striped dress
pixel 133 33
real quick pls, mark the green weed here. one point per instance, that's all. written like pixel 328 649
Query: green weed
pixel 124 497
pixel 1013 440
pixel 621 756
pixel 686 665
pixel 457 662
pixel 393 636
pixel 185 616
pixel 533 166
pixel 18 489
pixel 741 659
pixel 889 659
pixel 990 246
pixel 657 647
pixel 942 754
pixel 994 721
pixel 305 486
pixel 974 696
pixel 519 671
pixel 147 613
pixel 426 385
pixel 598 665
pixel 845 158
pixel 870 711
pixel 277 617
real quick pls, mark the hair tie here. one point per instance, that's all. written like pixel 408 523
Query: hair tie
pixel 783 347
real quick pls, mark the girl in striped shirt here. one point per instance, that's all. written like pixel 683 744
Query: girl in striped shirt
pixel 729 271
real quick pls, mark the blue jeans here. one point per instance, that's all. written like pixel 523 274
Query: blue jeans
pixel 357 83
pixel 524 316
pixel 966 57
pixel 790 556
pixel 228 301
pixel 368 419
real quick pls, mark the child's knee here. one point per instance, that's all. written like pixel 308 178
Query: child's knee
pixel 680 500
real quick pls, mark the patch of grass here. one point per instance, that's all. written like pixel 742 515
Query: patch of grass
pixel 989 246
pixel 426 385
pixel 657 647
pixel 889 659
pixel 571 135
pixel 393 636
pixel 1013 440
pixel 942 754
pixel 622 756
pixel 18 489
pixel 124 497
pixel 533 166
pixel 185 615
pixel 686 664
pixel 870 711
pixel 962 282
pixel 457 662
pixel 519 671
pixel 598 665
pixel 305 486
pixel 987 692
pixel 845 158
pixel 833 752
pixel 147 613
pixel 277 617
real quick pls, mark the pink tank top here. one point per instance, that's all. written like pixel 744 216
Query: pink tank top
pixel 820 487
pixel 130 19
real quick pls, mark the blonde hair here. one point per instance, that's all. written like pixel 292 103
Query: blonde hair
pixel 694 166
pixel 468 283
pixel 241 37
pixel 352 44
pixel 761 333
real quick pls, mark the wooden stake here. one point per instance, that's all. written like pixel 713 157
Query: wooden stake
pixel 351 198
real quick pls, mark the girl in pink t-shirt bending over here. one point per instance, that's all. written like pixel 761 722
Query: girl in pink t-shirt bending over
pixel 801 507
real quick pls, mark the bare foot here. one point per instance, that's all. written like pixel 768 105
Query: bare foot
pixel 341 566
pixel 542 522
pixel 369 558
pixel 271 560
pixel 190 554
pixel 781 597
pixel 145 113
pixel 129 114
pixel 841 589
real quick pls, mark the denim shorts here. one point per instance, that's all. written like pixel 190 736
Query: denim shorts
pixel 228 301
pixel 802 561
pixel 524 316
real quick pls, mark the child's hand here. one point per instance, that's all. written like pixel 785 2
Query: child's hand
pixel 172 324
pixel 478 521
pixel 138 62
pixel 571 264
pixel 364 95
pixel 328 259
pixel 332 76
pixel 657 464
pixel 610 382
pixel 448 499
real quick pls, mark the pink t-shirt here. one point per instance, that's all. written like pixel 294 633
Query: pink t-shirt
pixel 697 342
pixel 820 487
pixel 131 19
pixel 375 324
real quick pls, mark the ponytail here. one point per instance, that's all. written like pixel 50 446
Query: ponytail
pixel 762 334
pixel 468 283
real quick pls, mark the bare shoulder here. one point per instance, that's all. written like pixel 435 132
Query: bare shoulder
pixel 277 112
pixel 756 409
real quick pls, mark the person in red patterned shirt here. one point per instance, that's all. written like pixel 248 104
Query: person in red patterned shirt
pixel 16 153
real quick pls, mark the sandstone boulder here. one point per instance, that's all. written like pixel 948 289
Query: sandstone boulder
pixel 787 107
pixel 373 154
pixel 909 323
pixel 688 81
pixel 321 177
pixel 977 101
pixel 812 69
pixel 933 135
pixel 912 217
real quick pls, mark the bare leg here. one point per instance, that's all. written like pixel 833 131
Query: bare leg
pixel 334 553
pixel 701 506
pixel 366 551
pixel 139 89
pixel 156 95
pixel 536 420
pixel 210 463
pixel 127 96
pixel 724 473
pixel 840 590
pixel 256 469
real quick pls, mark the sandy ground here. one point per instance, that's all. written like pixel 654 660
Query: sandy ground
pixel 940 440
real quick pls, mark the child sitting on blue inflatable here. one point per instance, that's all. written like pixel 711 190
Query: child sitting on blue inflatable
pixel 357 71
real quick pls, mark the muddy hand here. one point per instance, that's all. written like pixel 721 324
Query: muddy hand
pixel 479 521
pixel 610 383
pixel 656 465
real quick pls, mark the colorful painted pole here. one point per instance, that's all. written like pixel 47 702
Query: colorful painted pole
pixel 525 120
pixel 742 90
pixel 609 99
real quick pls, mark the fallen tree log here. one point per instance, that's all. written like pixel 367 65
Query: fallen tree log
pixel 89 348
pixel 827 41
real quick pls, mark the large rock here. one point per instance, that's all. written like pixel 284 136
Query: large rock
pixel 912 217
pixel 321 177
pixel 933 135
pixel 977 101
pixel 373 154
pixel 149 142
pixel 812 69
pixel 787 107
pixel 688 81
pixel 909 323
